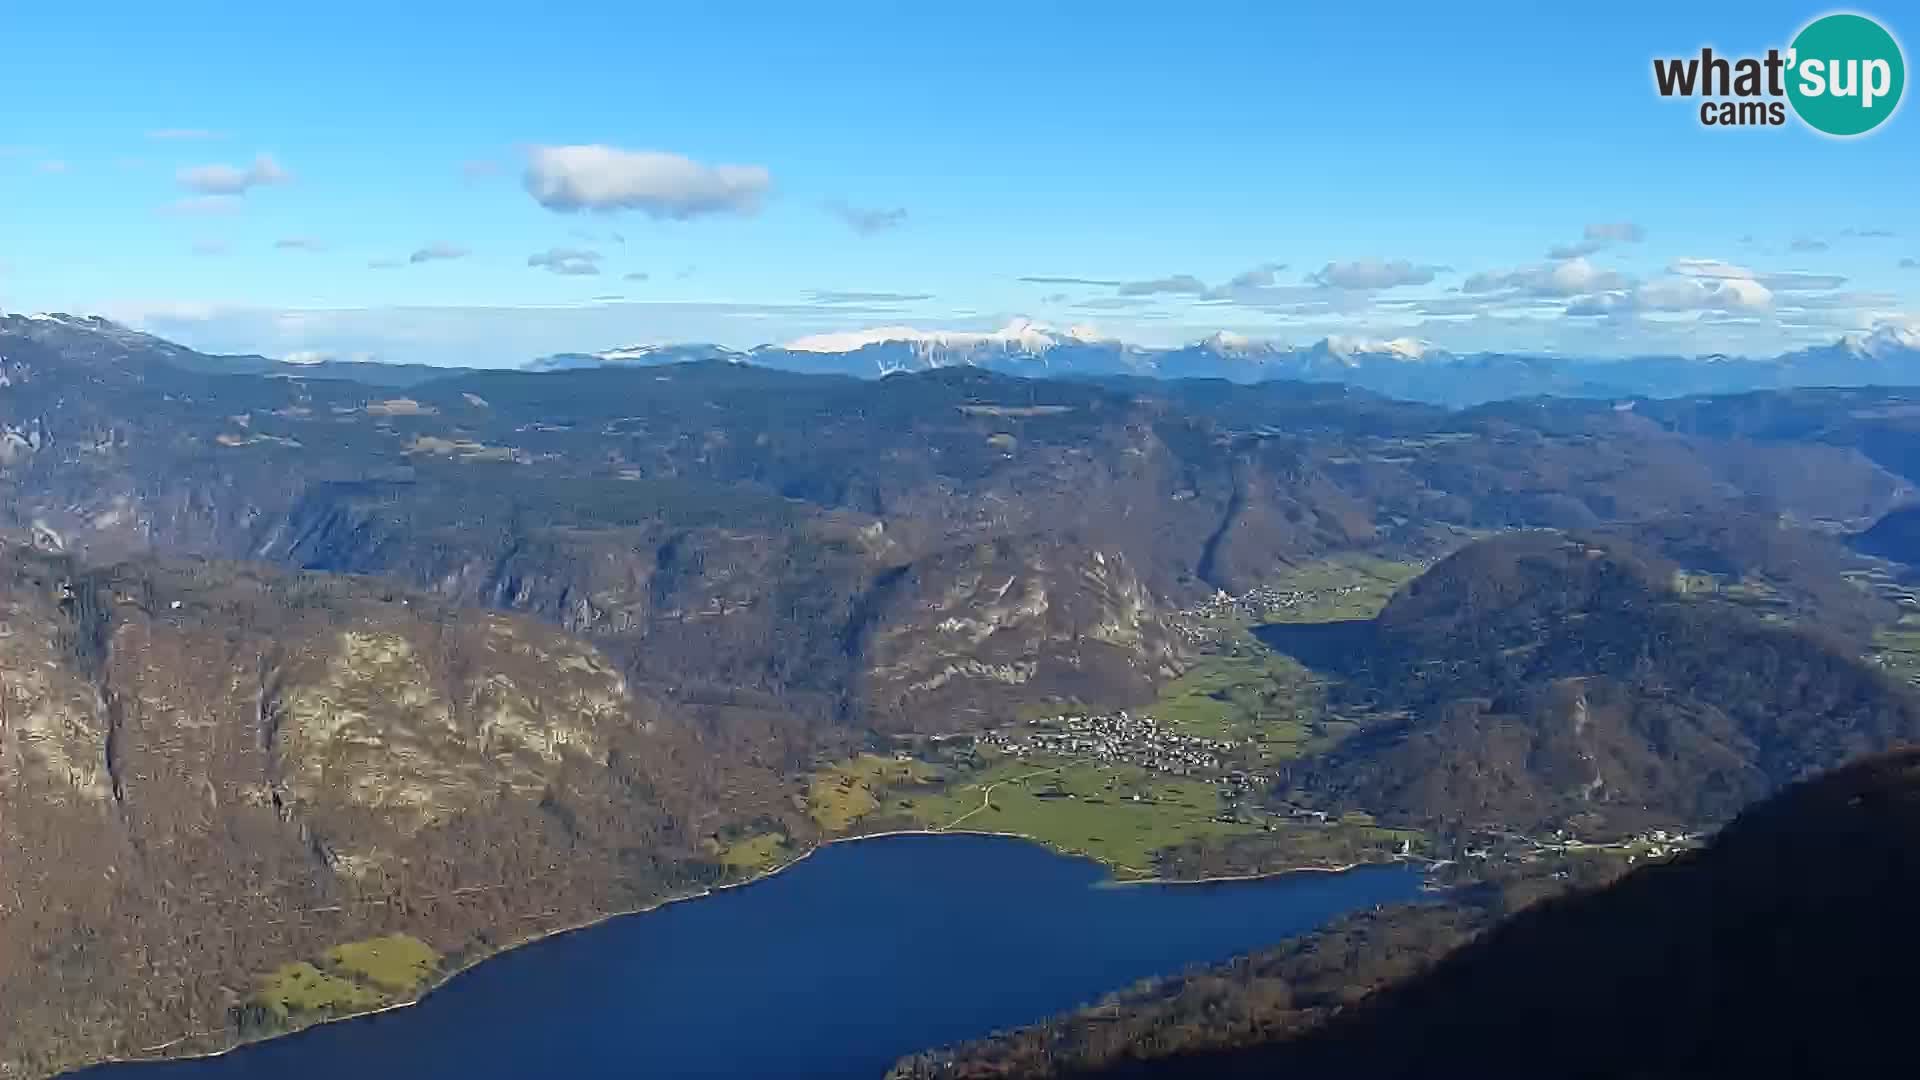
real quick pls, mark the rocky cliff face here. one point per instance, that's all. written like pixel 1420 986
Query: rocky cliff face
pixel 969 637
pixel 208 772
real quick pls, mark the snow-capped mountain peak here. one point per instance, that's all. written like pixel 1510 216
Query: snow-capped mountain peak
pixel 1229 343
pixel 1018 335
pixel 1886 339
pixel 638 356
pixel 1400 348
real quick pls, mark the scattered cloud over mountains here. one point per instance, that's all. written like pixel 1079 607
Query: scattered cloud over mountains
pixel 1570 277
pixel 1259 277
pixel 438 251
pixel 569 179
pixel 1178 284
pixel 1366 274
pixel 232 180
pixel 828 296
pixel 568 262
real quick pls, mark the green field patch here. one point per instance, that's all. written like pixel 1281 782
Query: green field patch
pixel 1336 590
pixel 396 963
pixel 300 988
pixel 752 854
pixel 1267 703
pixel 1291 845
pixel 350 978
pixel 1120 815
pixel 845 792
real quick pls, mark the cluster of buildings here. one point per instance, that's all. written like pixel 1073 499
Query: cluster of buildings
pixel 1120 738
pixel 1252 604
pixel 1652 844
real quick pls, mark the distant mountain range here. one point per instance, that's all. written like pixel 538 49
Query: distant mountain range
pixel 92 338
pixel 1403 367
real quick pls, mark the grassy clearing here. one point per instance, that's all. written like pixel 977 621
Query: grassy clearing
pixel 1263 699
pixel 1290 845
pixel 1118 814
pixel 1268 703
pixel 397 963
pixel 843 793
pixel 350 978
pixel 752 854
pixel 302 989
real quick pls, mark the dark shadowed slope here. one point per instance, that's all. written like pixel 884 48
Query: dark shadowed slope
pixel 1779 950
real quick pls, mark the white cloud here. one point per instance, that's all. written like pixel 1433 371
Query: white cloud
pixel 1607 303
pixel 570 262
pixel 1568 277
pixel 1178 285
pixel 1703 294
pixel 1709 268
pixel 1780 281
pixel 220 179
pixel 1373 274
pixel 656 183
pixel 1259 277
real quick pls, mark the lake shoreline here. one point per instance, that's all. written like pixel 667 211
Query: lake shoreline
pixel 156 1055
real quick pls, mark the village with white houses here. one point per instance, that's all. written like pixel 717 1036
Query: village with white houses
pixel 1115 738
pixel 1196 624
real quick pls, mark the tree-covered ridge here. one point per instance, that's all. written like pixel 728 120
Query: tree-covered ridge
pixel 1560 681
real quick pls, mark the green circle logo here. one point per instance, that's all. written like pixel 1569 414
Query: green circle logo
pixel 1845 74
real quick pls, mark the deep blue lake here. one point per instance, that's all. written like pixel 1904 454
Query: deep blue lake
pixel 856 956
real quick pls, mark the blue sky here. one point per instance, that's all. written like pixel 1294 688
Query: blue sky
pixel 248 181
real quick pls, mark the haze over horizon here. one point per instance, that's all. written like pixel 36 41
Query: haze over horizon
pixel 580 181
